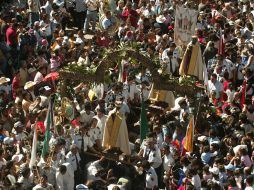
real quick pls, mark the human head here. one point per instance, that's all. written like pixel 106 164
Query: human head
pixel 62 169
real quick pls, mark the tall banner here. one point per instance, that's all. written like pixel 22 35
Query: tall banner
pixel 185 24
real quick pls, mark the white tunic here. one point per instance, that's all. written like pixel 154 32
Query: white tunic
pixel 151 178
pixel 66 181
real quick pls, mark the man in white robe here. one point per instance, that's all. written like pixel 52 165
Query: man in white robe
pixel 65 177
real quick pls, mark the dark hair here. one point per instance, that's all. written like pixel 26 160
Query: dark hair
pixel 62 169
pixel 232 182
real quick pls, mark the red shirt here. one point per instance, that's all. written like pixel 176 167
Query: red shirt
pixel 103 41
pixel 133 16
pixel 11 37
pixel 15 86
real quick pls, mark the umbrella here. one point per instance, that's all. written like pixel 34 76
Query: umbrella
pixel 51 76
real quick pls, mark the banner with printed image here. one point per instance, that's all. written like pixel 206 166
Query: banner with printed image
pixel 185 24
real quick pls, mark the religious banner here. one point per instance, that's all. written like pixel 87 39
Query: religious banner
pixel 185 24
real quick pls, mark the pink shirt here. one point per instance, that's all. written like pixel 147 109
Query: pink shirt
pixel 246 160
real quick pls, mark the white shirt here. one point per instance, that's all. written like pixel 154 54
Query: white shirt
pixel 71 158
pixel 154 156
pixel 65 181
pixel 40 187
pixel 171 66
pixel 229 67
pixel 151 178
pixel 129 91
pixel 59 3
pixel 101 124
pixel 92 169
pixel 78 141
pixel 47 31
pixel 195 180
pixel 217 87
pixel 86 118
pixel 48 7
pixel 38 77
pixel 91 5
pixel 94 134
pixel 159 140
pixel 167 161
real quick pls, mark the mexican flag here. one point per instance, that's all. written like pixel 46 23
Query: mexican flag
pixel 49 125
pixel 34 149
pixel 144 122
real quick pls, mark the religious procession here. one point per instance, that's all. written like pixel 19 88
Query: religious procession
pixel 126 94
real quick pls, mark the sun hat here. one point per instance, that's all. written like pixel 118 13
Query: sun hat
pixel 4 80
pixel 29 85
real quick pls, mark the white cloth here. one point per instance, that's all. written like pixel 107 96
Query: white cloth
pixel 92 169
pixel 86 118
pixel 71 158
pixel 91 5
pixel 151 178
pixel 130 91
pixel 195 180
pixel 38 77
pixel 94 134
pixel 101 124
pixel 78 141
pixel 154 156
pixel 40 187
pixel 65 181
pixel 167 161
pixel 217 87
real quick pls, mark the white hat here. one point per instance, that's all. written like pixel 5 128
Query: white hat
pixel 81 187
pixel 30 70
pixel 4 80
pixel 78 41
pixel 47 88
pixel 17 157
pixel 214 170
pixel 36 23
pixel 161 19
pixel 8 140
pixel 177 100
pixel 202 138
pixel 29 85
pixel 18 124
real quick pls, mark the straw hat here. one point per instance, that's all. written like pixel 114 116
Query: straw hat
pixel 4 80
pixel 29 85
pixel 161 19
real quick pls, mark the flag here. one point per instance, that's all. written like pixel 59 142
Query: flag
pixel 243 93
pixel 144 122
pixel 221 44
pixel 34 149
pixel 205 75
pixel 188 140
pixel 49 124
pixel 121 71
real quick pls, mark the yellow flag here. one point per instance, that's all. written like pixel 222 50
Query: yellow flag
pixel 91 94
pixel 188 141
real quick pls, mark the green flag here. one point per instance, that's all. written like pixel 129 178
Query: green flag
pixel 49 125
pixel 144 122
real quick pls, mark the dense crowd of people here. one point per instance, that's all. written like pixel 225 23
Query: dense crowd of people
pixel 91 138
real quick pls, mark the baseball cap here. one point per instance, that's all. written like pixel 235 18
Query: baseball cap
pixel 81 187
pixel 230 167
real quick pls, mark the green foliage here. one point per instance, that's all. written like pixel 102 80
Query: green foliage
pixel 75 68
